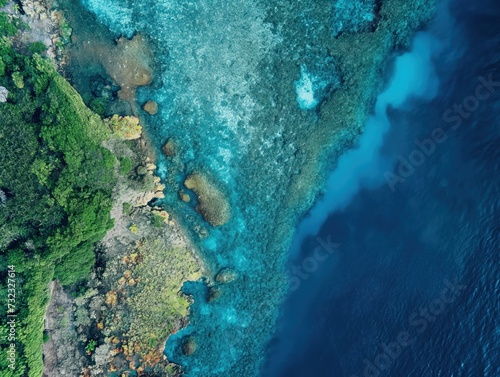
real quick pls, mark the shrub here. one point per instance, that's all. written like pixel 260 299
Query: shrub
pixel 125 166
pixel 127 209
pixel 17 78
pixel 37 48
pixel 127 127
pixel 157 220
pixel 8 26
pixel 91 346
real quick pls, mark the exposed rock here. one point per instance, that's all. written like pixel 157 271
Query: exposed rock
pixel 169 148
pixel 3 94
pixel 61 354
pixel 226 275
pixel 151 107
pixel 189 346
pixel 150 167
pixel 213 206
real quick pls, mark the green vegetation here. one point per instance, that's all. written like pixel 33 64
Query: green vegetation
pixel 125 166
pixel 158 300
pixel 126 127
pixel 127 209
pixel 157 221
pixel 8 26
pixel 55 191
pixel 37 48
pixel 90 347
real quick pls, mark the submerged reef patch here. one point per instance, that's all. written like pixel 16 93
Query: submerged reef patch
pixel 353 16
pixel 213 205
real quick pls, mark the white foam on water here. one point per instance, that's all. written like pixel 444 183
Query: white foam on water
pixel 305 90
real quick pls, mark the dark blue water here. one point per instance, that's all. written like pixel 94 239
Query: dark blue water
pixel 413 287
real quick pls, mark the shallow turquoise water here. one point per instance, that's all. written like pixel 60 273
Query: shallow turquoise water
pixel 238 94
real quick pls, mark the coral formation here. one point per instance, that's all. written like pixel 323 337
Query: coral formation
pixel 213 204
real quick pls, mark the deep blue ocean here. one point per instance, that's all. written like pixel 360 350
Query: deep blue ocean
pixel 403 277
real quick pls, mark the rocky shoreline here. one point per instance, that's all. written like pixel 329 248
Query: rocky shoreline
pixel 120 319
pixel 45 24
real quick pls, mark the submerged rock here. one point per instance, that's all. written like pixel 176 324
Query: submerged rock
pixel 354 16
pixel 189 346
pixel 213 294
pixel 151 107
pixel 184 196
pixel 169 148
pixel 226 275
pixel 214 206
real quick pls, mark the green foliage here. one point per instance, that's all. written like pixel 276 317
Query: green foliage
pixel 56 181
pixel 3 3
pixel 157 221
pixel 127 209
pixel 17 78
pixel 66 30
pixel 127 127
pixel 98 105
pixel 91 345
pixel 125 166
pixel 37 48
pixel 8 26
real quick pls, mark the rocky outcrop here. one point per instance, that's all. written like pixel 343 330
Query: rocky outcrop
pixel 45 25
pixel 151 107
pixel 226 276
pixel 4 93
pixel 61 354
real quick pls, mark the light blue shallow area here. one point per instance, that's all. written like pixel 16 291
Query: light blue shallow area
pixel 212 56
